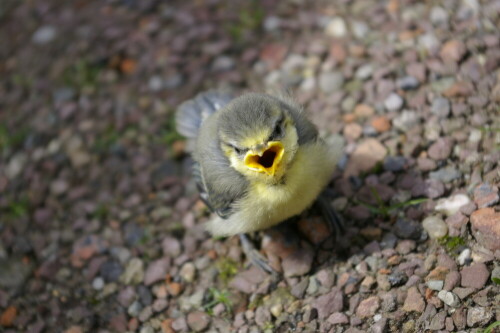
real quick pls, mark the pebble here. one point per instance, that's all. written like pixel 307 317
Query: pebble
pixel 156 271
pixel 449 298
pixel 451 281
pixel 435 284
pixel 338 318
pixel 393 102
pixel 44 35
pixel 474 276
pixel 407 83
pixel 298 263
pixel 464 257
pixel 414 301
pixel 478 316
pixel 368 307
pixel 441 149
pixel 381 124
pixel 452 51
pixel 330 82
pixel 352 131
pixel 451 205
pixel 336 27
pixel 98 283
pixel 486 227
pixel 188 272
pixel 111 270
pixel 16 165
pixel 364 72
pixel 441 107
pixel 365 156
pixel 134 272
pixel 407 229
pixel 486 195
pixel 13 273
pixel 439 16
pixel 435 227
pixel 395 163
pixel 329 303
pixel 446 174
pixel 406 120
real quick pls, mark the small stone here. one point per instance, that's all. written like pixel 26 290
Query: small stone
pixel 262 316
pixel 394 163
pixel 156 271
pixel 452 205
pixel 171 247
pixel 478 316
pixel 446 174
pixel 366 155
pixel 44 35
pixel 353 131
pixel 441 107
pixel 336 27
pixel 406 120
pixel 111 270
pixel 435 284
pixel 414 301
pixel 198 321
pixel 435 227
pixel 368 307
pixel 486 195
pixel 408 83
pixel 381 124
pixel 426 164
pixel 98 283
pixel 441 149
pixel 449 298
pixel 134 272
pixel 127 296
pixel 329 303
pixel 452 280
pixel 474 276
pixel 486 227
pixel 145 313
pixel 453 51
pixel 363 111
pixel 276 310
pixel 299 262
pixel 364 72
pixel 393 102
pixel 437 322
pixel 439 15
pixel 338 318
pixel 464 257
pixel 407 229
pixel 330 82
pixel 188 272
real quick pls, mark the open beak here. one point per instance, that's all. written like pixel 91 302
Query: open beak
pixel 267 160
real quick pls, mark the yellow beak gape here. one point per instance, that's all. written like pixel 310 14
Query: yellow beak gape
pixel 265 161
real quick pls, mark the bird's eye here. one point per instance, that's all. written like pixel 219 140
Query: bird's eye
pixel 237 150
pixel 276 132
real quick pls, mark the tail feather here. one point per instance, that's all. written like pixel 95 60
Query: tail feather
pixel 191 114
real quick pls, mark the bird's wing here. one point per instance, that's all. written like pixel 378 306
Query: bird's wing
pixel 193 112
pixel 220 198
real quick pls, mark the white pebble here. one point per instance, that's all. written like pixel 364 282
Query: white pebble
pixel 393 102
pixel 435 284
pixel 435 227
pixel 98 283
pixel 451 205
pixel 449 298
pixel 336 27
pixel 464 257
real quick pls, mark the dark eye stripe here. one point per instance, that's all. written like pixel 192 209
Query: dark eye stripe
pixel 278 129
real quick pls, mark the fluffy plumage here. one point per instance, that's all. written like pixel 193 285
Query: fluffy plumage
pixel 226 131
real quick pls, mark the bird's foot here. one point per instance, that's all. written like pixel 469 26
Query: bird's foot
pixel 255 256
pixel 334 220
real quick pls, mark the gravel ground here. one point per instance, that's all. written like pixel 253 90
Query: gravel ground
pixel 101 228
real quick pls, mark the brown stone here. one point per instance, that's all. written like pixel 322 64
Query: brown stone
pixel 414 301
pixel 453 50
pixel 381 124
pixel 486 227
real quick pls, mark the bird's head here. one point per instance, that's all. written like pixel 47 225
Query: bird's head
pixel 258 136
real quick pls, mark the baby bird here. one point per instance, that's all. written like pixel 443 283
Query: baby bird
pixel 258 160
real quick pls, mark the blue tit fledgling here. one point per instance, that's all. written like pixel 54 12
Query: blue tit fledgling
pixel 257 159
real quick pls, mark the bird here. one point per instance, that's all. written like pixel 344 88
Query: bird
pixel 257 161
